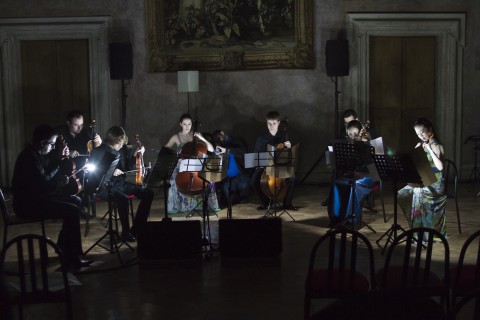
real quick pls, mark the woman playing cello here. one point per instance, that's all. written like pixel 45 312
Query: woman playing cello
pixel 187 201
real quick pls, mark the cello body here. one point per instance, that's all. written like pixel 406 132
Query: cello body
pixel 190 183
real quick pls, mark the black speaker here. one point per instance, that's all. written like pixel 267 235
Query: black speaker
pixel 250 237
pixel 337 58
pixel 121 64
pixel 169 240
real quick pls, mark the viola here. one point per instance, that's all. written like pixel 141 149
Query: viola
pixel 270 185
pixel 68 168
pixel 91 143
pixel 139 164
pixel 189 182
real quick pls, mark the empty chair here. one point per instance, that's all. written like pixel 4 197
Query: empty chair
pixel 409 268
pixel 450 174
pixel 341 266
pixel 30 259
pixel 466 275
pixel 11 220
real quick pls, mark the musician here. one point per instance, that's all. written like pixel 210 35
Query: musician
pixel 272 137
pixel 350 115
pixel 76 136
pixel 236 186
pixel 115 143
pixel 37 192
pixel 179 202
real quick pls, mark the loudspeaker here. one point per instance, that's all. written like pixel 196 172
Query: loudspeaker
pixel 169 240
pixel 121 64
pixel 250 237
pixel 337 58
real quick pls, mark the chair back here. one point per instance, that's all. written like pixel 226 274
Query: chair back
pixel 450 174
pixel 26 261
pixel 337 267
pixel 3 208
pixel 467 308
pixel 467 273
pixel 408 264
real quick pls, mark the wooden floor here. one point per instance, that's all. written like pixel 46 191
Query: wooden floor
pixel 217 288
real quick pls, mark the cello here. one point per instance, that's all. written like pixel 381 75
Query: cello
pixel 91 143
pixel 189 182
pixel 272 187
pixel 68 168
pixel 139 164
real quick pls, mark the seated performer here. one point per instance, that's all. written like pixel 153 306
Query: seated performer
pixel 273 137
pixel 114 143
pixel 237 183
pixel 340 204
pixel 38 192
pixel 179 202
pixel 349 115
pixel 425 207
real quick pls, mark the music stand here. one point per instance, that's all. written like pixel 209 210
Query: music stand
pixel 214 169
pixel 105 180
pixel 349 157
pixel 162 171
pixel 395 168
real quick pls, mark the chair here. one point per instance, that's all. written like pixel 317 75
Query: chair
pixel 334 269
pixel 466 276
pixel 450 171
pixel 409 269
pixel 464 307
pixel 28 259
pixel 12 220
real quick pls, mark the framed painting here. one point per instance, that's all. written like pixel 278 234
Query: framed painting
pixel 229 34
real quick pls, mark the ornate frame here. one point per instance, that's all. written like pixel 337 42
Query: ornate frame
pixel 162 56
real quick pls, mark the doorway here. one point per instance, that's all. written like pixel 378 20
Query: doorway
pixel 401 87
pixel 55 77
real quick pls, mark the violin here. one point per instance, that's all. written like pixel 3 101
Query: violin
pixel 68 168
pixel 91 143
pixel 189 182
pixel 270 185
pixel 364 132
pixel 139 164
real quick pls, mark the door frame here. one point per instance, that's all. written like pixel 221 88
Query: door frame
pixel 448 29
pixel 15 30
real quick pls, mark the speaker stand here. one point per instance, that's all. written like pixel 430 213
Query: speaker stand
pixel 124 103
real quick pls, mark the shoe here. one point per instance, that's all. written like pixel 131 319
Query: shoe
pixel 262 207
pixel 290 207
pixel 81 263
pixel 127 237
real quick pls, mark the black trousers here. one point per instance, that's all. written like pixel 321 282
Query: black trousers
pixel 236 188
pixel 255 182
pixel 67 208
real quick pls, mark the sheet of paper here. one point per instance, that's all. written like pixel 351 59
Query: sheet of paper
pixel 190 165
pixel 257 159
pixel 377 144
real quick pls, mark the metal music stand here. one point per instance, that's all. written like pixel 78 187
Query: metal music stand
pixel 395 168
pixel 214 169
pixel 349 157
pixel 105 180
pixel 162 171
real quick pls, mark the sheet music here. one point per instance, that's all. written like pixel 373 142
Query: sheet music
pixel 260 159
pixel 378 145
pixel 190 165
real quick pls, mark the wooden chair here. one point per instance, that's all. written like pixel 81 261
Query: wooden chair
pixel 11 220
pixel 335 270
pixel 450 174
pixel 466 276
pixel 27 261
pixel 408 266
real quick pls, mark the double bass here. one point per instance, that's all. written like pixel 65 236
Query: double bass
pixel 189 182
pixel 272 187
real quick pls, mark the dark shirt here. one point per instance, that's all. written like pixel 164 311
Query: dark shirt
pixel 267 139
pixel 77 142
pixel 237 147
pixel 34 178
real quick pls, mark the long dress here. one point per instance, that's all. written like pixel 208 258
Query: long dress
pixel 425 207
pixel 184 203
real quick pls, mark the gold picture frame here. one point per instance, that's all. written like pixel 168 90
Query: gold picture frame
pixel 229 34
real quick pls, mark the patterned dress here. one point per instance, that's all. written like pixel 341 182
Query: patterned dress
pixel 184 203
pixel 425 207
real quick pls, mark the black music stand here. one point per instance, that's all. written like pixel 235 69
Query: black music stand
pixel 192 165
pixel 349 157
pixel 214 169
pixel 105 180
pixel 395 168
pixel 162 171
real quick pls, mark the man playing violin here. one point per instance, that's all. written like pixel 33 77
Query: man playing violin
pixel 115 143
pixel 38 192
pixel 273 137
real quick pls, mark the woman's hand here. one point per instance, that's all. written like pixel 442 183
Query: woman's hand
pixel 288 144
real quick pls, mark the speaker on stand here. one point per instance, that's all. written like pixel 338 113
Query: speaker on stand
pixel 121 68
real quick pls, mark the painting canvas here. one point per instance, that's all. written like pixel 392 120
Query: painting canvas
pixel 229 34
